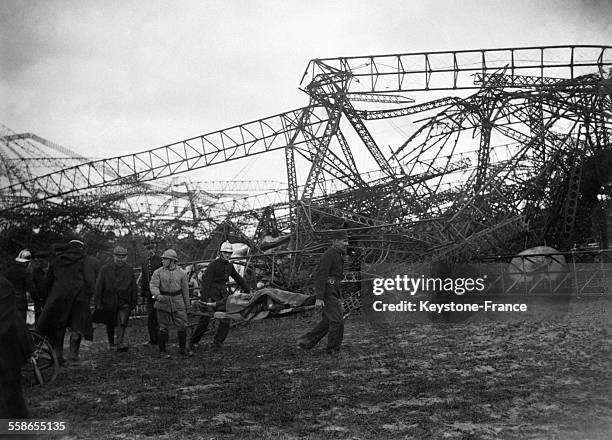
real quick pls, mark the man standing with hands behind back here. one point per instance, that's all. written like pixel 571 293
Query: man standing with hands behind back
pixel 150 265
pixel 116 295
pixel 327 279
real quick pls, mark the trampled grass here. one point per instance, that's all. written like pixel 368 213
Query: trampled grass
pixel 481 380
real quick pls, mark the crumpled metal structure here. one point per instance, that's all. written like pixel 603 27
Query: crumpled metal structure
pixel 423 157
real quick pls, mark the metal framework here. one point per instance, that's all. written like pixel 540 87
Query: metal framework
pixel 497 150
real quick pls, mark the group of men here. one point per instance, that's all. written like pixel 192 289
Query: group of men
pixel 73 276
pixel 73 280
pixel 166 290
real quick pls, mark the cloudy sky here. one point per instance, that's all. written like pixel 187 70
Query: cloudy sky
pixel 113 77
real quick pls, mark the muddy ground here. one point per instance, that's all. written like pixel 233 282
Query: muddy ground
pixel 480 380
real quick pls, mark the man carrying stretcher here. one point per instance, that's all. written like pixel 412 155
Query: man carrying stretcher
pixel 214 288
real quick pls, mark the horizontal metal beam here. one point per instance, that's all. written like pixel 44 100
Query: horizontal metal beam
pixel 452 70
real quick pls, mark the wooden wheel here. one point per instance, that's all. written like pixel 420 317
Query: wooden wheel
pixel 43 365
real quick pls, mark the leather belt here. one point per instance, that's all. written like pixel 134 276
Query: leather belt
pixel 175 293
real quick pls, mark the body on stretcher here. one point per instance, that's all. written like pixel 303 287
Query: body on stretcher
pixel 263 303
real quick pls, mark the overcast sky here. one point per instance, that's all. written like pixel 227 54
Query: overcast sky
pixel 113 77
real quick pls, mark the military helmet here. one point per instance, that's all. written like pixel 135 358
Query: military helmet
pixel 170 254
pixel 227 247
pixel 24 256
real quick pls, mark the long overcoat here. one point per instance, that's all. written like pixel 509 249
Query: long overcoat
pixel 115 287
pixel 69 282
pixel 15 348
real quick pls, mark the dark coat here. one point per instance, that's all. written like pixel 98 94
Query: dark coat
pixel 148 266
pixel 115 286
pixel 214 281
pixel 13 331
pixel 21 279
pixel 15 349
pixel 331 267
pixel 38 280
pixel 70 280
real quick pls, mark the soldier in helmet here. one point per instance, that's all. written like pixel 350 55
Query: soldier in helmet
pixel 116 296
pixel 214 288
pixel 170 289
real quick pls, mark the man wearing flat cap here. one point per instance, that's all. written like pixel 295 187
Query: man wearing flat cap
pixel 115 296
pixel 70 282
pixel 327 279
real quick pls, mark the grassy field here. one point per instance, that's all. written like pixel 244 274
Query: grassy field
pixel 480 380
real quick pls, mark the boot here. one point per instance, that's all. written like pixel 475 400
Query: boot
pixel 182 337
pixel 58 344
pixel 110 334
pixel 162 339
pixel 75 344
pixel 121 345
pixel 153 328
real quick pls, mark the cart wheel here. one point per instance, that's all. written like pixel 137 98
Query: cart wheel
pixel 43 366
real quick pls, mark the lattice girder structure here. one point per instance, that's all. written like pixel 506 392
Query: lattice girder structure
pixel 237 142
pixel 473 173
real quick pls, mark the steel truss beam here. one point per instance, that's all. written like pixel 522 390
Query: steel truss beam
pixel 240 141
pixel 453 70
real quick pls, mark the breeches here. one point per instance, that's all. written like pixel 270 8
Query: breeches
pixel 176 319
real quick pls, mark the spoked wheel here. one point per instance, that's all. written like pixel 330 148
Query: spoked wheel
pixel 43 365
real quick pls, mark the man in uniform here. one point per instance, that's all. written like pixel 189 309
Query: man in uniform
pixel 214 288
pixel 170 289
pixel 149 265
pixel 70 281
pixel 327 279
pixel 116 296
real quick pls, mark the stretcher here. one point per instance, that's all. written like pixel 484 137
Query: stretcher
pixel 260 304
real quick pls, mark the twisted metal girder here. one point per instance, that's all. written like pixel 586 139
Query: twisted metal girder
pixel 538 87
pixel 237 142
pixel 405 111
pixel 54 146
pixel 334 110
